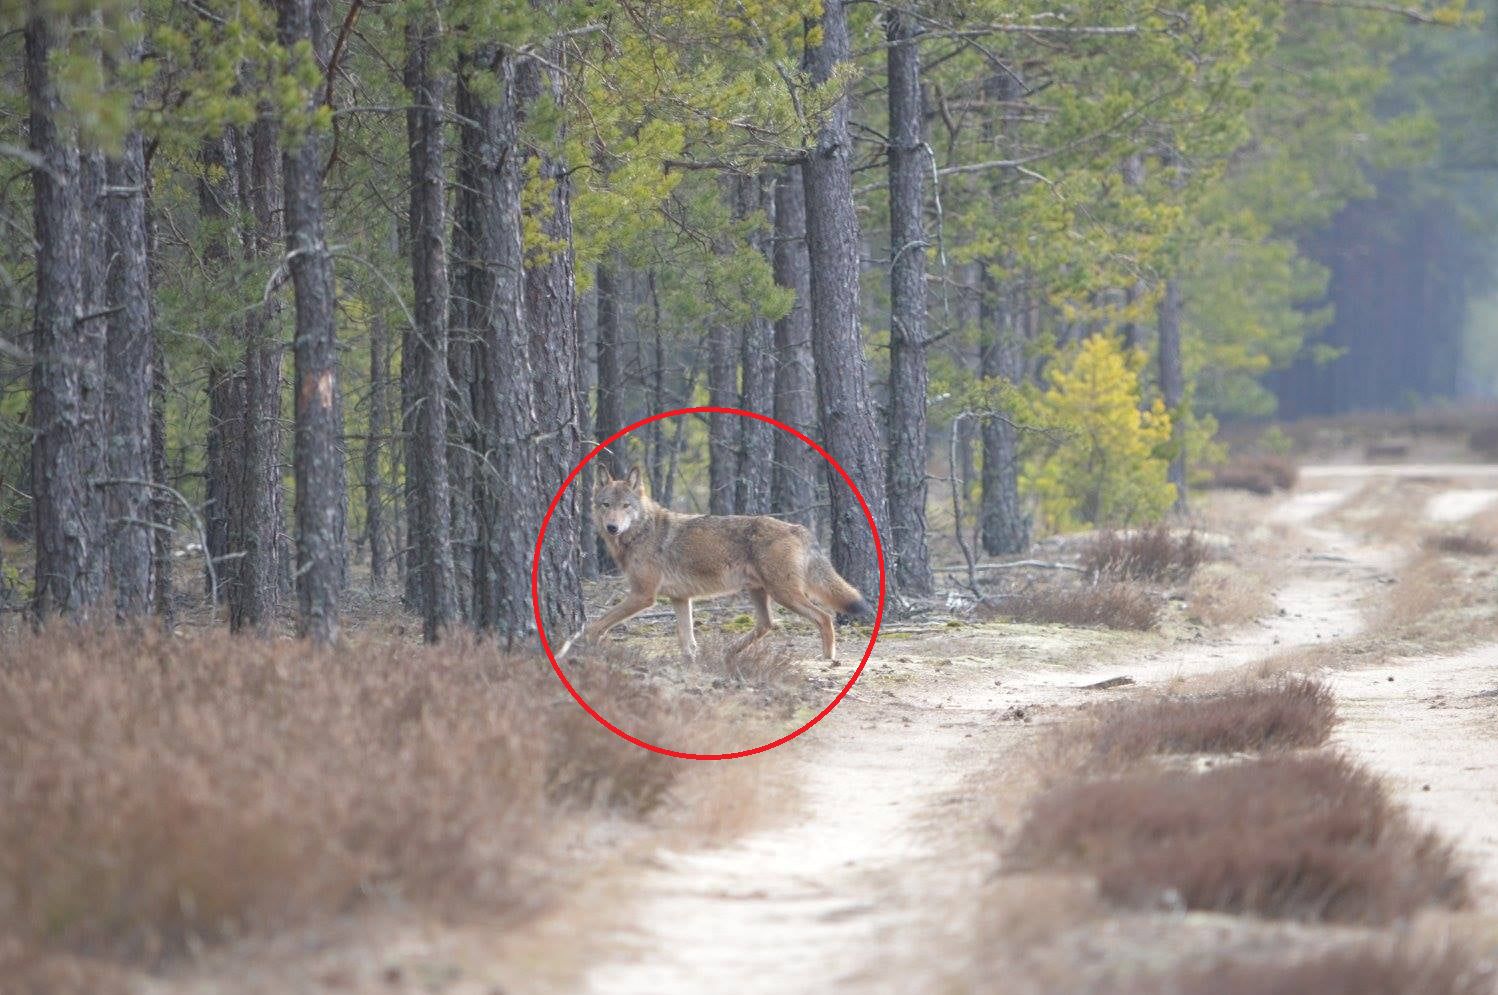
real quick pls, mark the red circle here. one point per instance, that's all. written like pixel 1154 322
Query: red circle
pixel 536 586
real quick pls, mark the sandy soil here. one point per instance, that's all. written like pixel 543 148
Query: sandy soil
pixel 854 889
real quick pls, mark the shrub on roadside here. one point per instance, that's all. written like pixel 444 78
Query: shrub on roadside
pixel 1367 968
pixel 157 792
pixel 1155 553
pixel 1256 474
pixel 1461 544
pixel 1107 604
pixel 1300 837
pixel 1288 713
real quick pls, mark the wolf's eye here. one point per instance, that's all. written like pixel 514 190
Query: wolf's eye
pixel 603 504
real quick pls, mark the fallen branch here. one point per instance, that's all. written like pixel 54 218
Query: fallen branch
pixel 1012 565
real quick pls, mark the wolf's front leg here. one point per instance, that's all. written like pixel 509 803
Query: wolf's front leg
pixel 631 606
pixel 684 631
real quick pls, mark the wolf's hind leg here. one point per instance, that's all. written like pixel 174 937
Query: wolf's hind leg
pixel 798 602
pixel 763 621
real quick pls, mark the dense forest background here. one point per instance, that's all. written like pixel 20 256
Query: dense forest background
pixel 308 297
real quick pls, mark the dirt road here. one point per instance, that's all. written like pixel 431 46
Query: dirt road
pixel 857 886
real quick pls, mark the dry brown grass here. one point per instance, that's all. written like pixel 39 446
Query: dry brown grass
pixel 1224 594
pixel 1304 837
pixel 767 665
pixel 1368 968
pixel 1107 604
pixel 1484 440
pixel 1155 554
pixel 1422 589
pixel 1287 713
pixel 1256 474
pixel 1467 543
pixel 159 792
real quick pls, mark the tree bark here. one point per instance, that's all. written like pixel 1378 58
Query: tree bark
pixel 318 468
pixel 850 424
pixel 722 429
pixel 426 451
pixel 374 447
pixel 908 376
pixel 510 498
pixel 217 193
pixel 129 355
pixel 610 363
pixel 1173 383
pixel 551 313
pixel 164 510
pixel 1002 522
pixel 67 389
pixel 793 489
pixel 254 501
pixel 756 445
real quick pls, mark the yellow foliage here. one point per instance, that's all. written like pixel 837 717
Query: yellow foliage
pixel 1109 467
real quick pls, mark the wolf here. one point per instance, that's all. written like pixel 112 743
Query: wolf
pixel 684 557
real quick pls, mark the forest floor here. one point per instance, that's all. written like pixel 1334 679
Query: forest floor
pixel 868 855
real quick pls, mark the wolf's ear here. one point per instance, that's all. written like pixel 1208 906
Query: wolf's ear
pixel 633 480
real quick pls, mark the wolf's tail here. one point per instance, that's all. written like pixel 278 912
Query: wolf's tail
pixel 828 587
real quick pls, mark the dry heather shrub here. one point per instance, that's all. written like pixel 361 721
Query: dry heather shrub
pixel 1369 968
pixel 1302 837
pixel 1257 474
pixel 1460 544
pixel 1226 594
pixel 158 791
pixel 1107 604
pixel 767 665
pixel 1484 440
pixel 1286 714
pixel 1154 553
pixel 1426 586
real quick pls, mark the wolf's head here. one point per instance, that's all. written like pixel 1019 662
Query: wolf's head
pixel 619 505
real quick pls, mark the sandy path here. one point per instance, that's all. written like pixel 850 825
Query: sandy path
pixel 1458 505
pixel 855 882
pixel 1430 726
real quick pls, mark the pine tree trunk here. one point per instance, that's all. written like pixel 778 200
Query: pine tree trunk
pixel 551 314
pixel 466 469
pixel 510 499
pixel 793 489
pixel 1173 383
pixel 130 350
pixel 586 365
pixel 317 466
pixel 908 166
pixel 67 394
pixel 610 363
pixel 1003 525
pixel 374 447
pixel 722 429
pixel 218 192
pixel 1133 177
pixel 254 501
pixel 164 510
pixel 756 440
pixel 426 451
pixel 850 425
